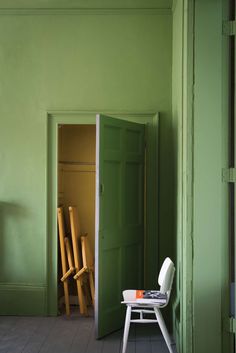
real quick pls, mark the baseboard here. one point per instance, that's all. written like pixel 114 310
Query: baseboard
pixel 72 298
pixel 176 334
pixel 22 299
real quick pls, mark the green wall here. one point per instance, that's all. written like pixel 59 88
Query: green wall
pixel 109 60
pixel 210 234
pixel 120 59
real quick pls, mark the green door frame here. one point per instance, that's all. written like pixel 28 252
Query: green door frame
pixel 186 143
pixel 54 119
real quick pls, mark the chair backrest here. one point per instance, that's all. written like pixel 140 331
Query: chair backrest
pixel 166 276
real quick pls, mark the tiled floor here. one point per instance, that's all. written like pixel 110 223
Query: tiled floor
pixel 73 335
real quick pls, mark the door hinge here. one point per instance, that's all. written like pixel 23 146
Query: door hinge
pixel 229 325
pixel 101 188
pixel 228 28
pixel 229 175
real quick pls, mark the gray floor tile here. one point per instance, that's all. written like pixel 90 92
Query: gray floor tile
pixel 73 335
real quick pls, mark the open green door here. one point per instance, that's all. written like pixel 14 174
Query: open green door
pixel 119 218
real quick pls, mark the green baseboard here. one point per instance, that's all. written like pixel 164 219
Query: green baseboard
pixel 177 334
pixel 18 299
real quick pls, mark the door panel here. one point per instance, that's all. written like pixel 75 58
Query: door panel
pixel 120 218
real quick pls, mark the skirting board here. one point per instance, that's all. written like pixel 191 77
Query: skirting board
pixel 73 300
pixel 177 330
pixel 18 299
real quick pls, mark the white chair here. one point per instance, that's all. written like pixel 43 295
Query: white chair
pixel 165 280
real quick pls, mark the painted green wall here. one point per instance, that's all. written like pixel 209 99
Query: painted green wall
pixel 116 60
pixel 210 156
pixel 104 61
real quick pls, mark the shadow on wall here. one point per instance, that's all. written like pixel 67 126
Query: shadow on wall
pixel 11 215
pixel 177 232
pixel 167 189
pixel 168 200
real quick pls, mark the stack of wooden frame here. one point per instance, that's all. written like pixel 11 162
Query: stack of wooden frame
pixel 77 263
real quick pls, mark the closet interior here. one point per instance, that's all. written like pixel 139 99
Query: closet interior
pixel 76 216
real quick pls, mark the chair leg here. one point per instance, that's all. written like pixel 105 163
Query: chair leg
pixel 67 298
pixel 126 328
pixel 163 328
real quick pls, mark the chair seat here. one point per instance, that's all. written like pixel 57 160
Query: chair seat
pixel 143 303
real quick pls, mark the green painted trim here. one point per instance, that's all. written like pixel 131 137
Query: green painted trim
pixel 91 113
pixel 51 243
pixel 187 178
pixel 76 11
pixel 182 108
pixel 55 118
pixel 227 336
pixel 174 4
pixel 22 299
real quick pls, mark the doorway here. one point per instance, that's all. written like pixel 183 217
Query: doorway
pixel 76 188
pixel 55 122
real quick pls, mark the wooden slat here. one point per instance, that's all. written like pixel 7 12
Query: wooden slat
pixel 69 253
pixel 88 263
pixel 75 234
pixel 64 262
pixel 66 275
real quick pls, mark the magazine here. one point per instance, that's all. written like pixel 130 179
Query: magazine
pixel 150 296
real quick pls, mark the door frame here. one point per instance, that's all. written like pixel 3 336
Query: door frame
pixel 56 118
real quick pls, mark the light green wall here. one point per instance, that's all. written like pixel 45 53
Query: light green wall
pixel 210 156
pixel 110 61
pixel 116 60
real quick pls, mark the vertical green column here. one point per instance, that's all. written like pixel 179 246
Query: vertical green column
pixel 209 233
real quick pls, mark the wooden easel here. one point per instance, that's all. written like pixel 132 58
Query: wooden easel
pixel 75 234
pixel 66 257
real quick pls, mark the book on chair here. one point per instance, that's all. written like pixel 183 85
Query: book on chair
pixel 150 296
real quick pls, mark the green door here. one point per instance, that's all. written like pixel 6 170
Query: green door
pixel 119 218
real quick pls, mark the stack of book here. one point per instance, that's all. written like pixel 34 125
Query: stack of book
pixel 150 297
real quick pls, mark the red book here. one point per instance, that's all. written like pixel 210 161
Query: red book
pixel 139 293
